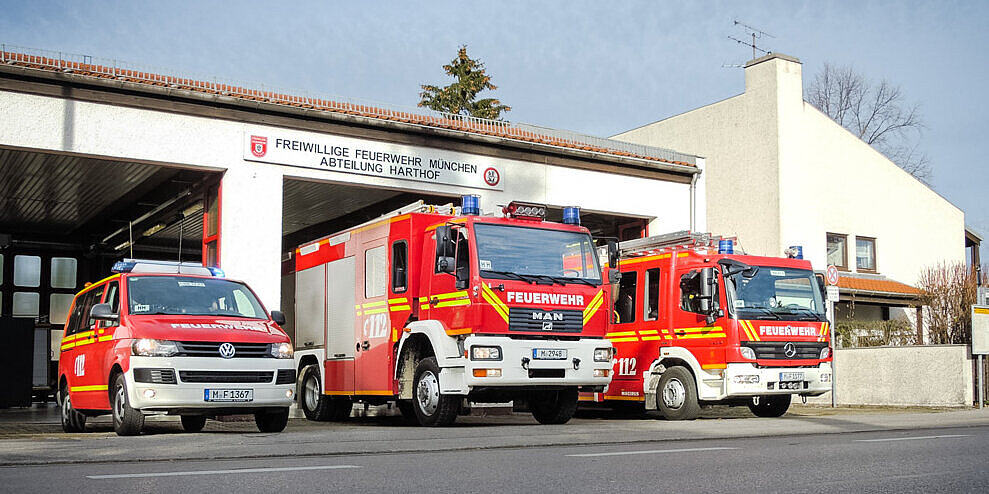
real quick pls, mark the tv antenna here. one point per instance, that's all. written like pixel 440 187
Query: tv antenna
pixel 755 34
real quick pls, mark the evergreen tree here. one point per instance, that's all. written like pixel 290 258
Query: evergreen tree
pixel 459 97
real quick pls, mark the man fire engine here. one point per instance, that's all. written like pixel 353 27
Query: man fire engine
pixel 436 309
pixel 697 324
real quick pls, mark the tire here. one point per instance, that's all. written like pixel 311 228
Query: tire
pixel 771 406
pixel 676 395
pixel 554 407
pixel 193 423
pixel 72 419
pixel 315 405
pixel 126 420
pixel 431 407
pixel 271 421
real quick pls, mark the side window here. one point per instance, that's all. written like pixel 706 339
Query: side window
pixel 690 292
pixel 375 272
pixel 652 294
pixel 95 296
pixel 72 327
pixel 463 255
pixel 625 306
pixel 399 266
pixel 112 298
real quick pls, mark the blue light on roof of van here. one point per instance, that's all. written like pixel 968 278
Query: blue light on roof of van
pixel 123 266
pixel 217 272
pixel 571 215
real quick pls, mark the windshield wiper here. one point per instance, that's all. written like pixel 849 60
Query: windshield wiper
pixel 564 280
pixel 817 316
pixel 512 276
pixel 765 310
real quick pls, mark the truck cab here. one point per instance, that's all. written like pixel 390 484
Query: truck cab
pixel 173 338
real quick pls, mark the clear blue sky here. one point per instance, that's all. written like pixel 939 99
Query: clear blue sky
pixel 594 67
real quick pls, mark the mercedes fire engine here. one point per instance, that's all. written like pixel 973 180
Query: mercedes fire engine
pixel 438 308
pixel 695 324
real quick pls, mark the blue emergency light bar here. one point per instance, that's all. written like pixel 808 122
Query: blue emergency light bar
pixel 571 215
pixel 795 252
pixel 470 204
pixel 150 266
pixel 726 246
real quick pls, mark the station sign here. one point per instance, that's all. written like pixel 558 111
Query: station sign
pixel 980 329
pixel 372 158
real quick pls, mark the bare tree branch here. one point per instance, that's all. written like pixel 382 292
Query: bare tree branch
pixel 876 113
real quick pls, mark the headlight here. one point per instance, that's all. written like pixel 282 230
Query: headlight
pixel 603 354
pixel 825 352
pixel 747 352
pixel 281 350
pixel 147 347
pixel 485 353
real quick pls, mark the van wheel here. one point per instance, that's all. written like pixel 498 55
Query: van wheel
pixel 432 407
pixel 126 420
pixel 676 396
pixel 554 407
pixel 272 421
pixel 771 406
pixel 193 423
pixel 315 405
pixel 72 419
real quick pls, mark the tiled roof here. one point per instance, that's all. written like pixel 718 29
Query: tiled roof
pixel 877 285
pixel 58 62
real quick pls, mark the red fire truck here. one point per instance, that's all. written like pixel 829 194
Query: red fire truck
pixel 436 308
pixel 696 324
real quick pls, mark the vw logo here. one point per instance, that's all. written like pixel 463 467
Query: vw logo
pixel 789 349
pixel 227 350
pixel 547 325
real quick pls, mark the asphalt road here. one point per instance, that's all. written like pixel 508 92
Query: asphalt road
pixel 919 460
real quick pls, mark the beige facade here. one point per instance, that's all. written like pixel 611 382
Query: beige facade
pixel 781 173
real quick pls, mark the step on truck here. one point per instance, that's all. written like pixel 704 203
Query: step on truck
pixel 696 324
pixel 436 308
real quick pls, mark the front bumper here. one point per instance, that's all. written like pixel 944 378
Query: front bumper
pixel 814 381
pixel 519 367
pixel 190 396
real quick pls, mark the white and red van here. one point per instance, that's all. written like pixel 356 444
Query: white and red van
pixel 169 338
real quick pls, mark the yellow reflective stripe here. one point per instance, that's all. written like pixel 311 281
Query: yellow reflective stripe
pixel 622 340
pixel 105 338
pixel 621 333
pixel 636 260
pixel 652 338
pixel 649 331
pixel 402 300
pixel 453 303
pixel 443 296
pixel 703 329
pixel 593 306
pixel 625 398
pixel 95 387
pixel 394 335
pixel 398 308
pixel 753 330
pixel 748 334
pixel 712 335
pixel 85 342
pixel 452 332
pixel 375 304
pixel 375 311
pixel 67 346
pixel 683 254
pixel 491 298
pixel 714 366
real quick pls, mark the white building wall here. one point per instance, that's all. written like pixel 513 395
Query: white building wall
pixel 251 200
pixel 781 173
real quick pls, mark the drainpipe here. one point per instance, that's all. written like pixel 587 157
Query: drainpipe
pixel 693 201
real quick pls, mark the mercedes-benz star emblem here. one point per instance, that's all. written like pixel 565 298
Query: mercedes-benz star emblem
pixel 227 350
pixel 789 349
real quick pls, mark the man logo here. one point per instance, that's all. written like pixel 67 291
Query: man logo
pixel 547 325
pixel 547 316
pixel 789 349
pixel 227 350
pixel 259 146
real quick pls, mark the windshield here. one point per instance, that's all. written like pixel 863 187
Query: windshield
pixel 519 252
pixel 191 296
pixel 776 293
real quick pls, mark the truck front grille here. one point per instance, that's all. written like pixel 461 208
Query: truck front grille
pixel 775 350
pixel 545 321
pixel 226 376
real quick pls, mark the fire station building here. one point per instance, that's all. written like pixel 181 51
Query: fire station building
pixel 99 162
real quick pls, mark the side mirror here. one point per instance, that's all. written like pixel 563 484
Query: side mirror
pixel 614 276
pixel 707 289
pixel 445 264
pixel 613 254
pixel 278 316
pixel 103 312
pixel 444 241
pixel 821 285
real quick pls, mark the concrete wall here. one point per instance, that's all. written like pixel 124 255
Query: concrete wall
pixel 780 173
pixel 936 375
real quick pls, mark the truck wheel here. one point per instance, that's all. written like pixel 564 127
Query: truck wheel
pixel 771 406
pixel 554 407
pixel 315 405
pixel 193 423
pixel 430 406
pixel 271 421
pixel 676 396
pixel 126 420
pixel 72 419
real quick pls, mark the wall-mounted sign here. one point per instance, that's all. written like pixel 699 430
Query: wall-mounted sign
pixel 980 329
pixel 372 158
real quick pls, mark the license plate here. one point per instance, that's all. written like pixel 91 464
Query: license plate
pixel 228 394
pixel 791 376
pixel 549 353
